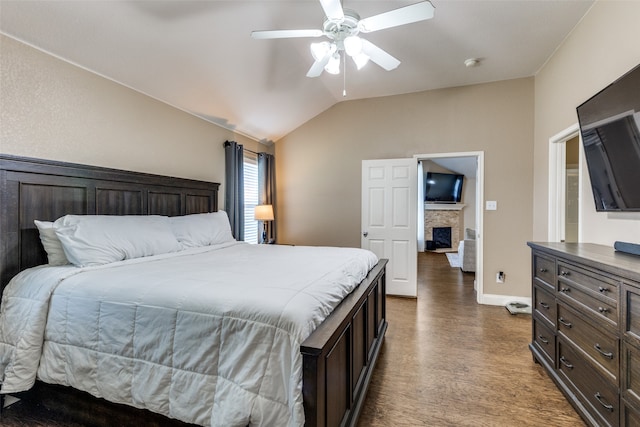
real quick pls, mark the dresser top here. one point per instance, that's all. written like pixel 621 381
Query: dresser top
pixel 598 256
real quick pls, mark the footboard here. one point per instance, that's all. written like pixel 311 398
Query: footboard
pixel 339 357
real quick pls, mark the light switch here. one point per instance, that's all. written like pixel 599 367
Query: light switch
pixel 492 205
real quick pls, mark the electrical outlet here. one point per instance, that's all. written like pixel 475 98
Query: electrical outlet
pixel 500 277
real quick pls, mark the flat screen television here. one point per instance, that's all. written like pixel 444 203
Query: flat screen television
pixel 442 187
pixel 610 129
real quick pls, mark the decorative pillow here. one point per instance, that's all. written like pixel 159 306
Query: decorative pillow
pixel 102 239
pixel 202 229
pixel 51 243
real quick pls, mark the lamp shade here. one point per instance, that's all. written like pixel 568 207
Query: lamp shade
pixel 263 213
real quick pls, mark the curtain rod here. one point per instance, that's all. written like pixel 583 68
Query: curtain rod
pixel 245 149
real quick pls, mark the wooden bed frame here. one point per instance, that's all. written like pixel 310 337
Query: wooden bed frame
pixel 338 358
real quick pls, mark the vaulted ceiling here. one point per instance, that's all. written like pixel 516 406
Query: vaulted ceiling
pixel 198 55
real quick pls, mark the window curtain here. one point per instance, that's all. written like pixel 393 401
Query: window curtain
pixel 267 190
pixel 234 187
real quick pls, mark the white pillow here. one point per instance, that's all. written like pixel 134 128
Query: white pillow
pixel 102 239
pixel 51 243
pixel 202 229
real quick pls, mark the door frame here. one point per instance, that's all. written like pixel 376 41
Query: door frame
pixel 479 155
pixel 557 184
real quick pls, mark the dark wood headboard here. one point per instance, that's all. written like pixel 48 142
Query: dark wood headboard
pixel 46 190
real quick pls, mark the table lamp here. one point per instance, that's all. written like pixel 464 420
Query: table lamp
pixel 263 213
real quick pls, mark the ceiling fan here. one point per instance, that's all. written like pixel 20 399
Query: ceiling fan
pixel 342 27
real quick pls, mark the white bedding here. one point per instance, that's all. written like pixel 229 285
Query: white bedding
pixel 209 335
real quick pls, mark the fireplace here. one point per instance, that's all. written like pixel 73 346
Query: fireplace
pixel 442 237
pixel 441 216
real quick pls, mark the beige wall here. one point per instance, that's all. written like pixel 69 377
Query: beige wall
pixel 53 110
pixel 319 165
pixel 600 49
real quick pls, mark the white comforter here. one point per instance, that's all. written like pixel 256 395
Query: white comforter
pixel 209 336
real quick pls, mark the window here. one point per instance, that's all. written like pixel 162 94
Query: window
pixel 250 196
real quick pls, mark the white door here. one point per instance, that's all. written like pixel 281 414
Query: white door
pixel 389 219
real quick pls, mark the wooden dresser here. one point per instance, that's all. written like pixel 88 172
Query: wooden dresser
pixel 586 328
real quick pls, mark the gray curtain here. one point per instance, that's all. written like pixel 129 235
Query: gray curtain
pixel 267 190
pixel 234 187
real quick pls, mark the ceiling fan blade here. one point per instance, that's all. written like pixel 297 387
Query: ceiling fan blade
pixel 379 56
pixel 285 34
pixel 318 66
pixel 404 15
pixel 333 10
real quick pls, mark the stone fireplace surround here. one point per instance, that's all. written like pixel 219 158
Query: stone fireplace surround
pixel 443 215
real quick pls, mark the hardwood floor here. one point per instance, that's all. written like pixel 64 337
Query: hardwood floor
pixel 448 361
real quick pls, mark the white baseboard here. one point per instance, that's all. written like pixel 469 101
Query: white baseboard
pixel 503 300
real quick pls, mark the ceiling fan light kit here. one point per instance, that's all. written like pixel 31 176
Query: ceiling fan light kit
pixel 342 27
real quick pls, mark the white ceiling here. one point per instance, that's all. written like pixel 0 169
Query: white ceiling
pixel 465 165
pixel 199 56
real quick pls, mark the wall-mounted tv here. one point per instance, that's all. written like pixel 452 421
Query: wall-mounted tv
pixel 610 128
pixel 442 187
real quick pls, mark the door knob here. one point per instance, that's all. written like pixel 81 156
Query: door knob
pixel 365 233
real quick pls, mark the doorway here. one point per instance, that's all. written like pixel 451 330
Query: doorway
pixel 565 159
pixel 572 194
pixel 470 164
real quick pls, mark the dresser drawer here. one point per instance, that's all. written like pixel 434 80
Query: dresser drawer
pixel 631 297
pixel 598 395
pixel 601 308
pixel 545 340
pixel 603 286
pixel 630 417
pixel 630 384
pixel 544 269
pixel 545 304
pixel 601 346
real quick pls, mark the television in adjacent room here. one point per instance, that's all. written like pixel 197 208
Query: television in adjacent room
pixel 610 129
pixel 442 187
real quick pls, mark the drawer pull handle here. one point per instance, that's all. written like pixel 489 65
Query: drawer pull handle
pixel 603 310
pixel 565 290
pixel 543 270
pixel 599 350
pixel 565 323
pixel 565 362
pixel 607 407
pixel 565 273
pixel 544 305
pixel 603 290
pixel 543 339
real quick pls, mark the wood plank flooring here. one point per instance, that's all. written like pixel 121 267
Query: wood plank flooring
pixel 448 361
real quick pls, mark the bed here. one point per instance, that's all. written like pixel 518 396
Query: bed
pixel 337 358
